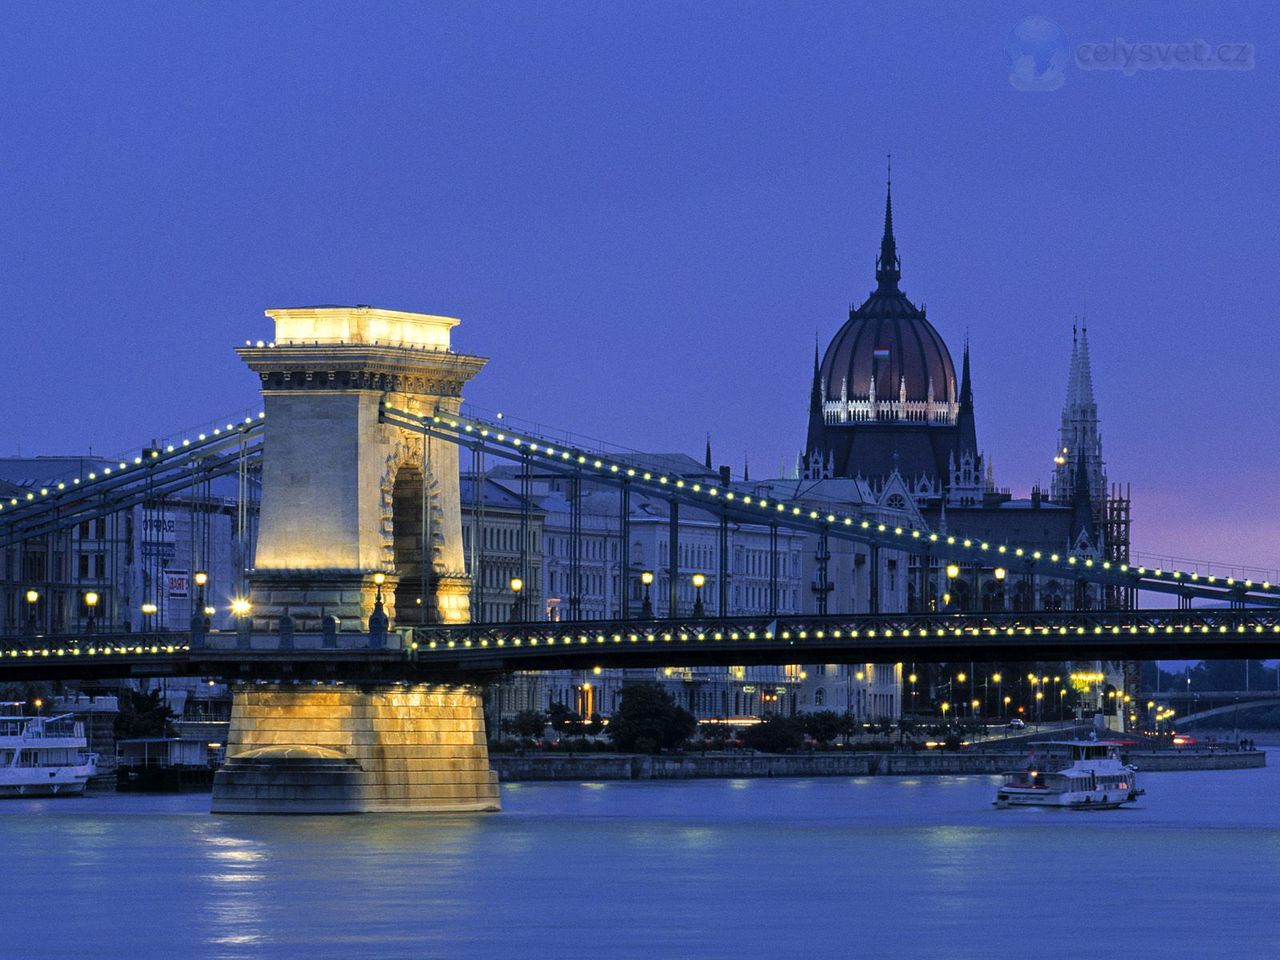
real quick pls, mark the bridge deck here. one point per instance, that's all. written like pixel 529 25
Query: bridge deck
pixel 450 653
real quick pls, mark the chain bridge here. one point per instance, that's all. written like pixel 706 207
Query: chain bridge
pixel 353 615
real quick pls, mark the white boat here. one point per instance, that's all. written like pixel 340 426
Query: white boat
pixel 42 756
pixel 1072 774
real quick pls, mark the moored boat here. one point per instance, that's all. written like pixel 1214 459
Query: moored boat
pixel 43 756
pixel 1071 774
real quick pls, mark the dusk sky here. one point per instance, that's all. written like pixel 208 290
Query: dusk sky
pixel 644 213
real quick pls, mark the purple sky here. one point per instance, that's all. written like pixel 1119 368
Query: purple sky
pixel 644 212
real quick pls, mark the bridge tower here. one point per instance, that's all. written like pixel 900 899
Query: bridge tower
pixel 345 497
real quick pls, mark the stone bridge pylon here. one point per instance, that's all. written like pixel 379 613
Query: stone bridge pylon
pixel 345 497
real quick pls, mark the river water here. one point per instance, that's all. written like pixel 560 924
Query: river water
pixel 861 867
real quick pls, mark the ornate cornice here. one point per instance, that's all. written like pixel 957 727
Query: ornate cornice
pixel 361 367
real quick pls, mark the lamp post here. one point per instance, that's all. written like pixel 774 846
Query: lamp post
pixel 378 618
pixel 646 608
pixel 911 679
pixel 952 571
pixel 999 690
pixel 242 609
pixel 148 611
pixel 33 598
pixel 699 579
pixel 201 579
pixel 517 601
pixel 91 601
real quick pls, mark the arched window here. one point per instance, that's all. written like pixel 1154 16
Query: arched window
pixel 896 501
pixel 820 697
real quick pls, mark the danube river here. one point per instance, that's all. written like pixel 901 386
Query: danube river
pixel 866 867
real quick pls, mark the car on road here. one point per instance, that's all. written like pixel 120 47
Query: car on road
pixel 1017 724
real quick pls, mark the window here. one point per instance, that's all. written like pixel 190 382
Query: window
pixel 820 697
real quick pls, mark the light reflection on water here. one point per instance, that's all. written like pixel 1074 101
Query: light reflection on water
pixel 738 868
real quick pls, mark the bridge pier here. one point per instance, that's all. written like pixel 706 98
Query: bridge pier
pixel 396 748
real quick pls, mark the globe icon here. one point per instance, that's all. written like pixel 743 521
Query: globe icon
pixel 1037 55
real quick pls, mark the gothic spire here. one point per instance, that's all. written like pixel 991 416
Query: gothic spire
pixel 967 431
pixel 1078 435
pixel 708 451
pixel 817 421
pixel 888 266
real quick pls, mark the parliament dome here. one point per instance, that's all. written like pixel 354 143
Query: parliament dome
pixel 888 340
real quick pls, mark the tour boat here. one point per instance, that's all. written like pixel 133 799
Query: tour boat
pixel 1072 774
pixel 40 756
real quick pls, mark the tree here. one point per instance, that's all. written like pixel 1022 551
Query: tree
pixel 824 726
pixel 528 723
pixel 848 726
pixel 648 720
pixel 143 715
pixel 775 734
pixel 563 720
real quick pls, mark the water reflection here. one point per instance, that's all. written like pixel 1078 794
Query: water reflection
pixel 820 868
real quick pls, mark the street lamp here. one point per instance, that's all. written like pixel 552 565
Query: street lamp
pixel 646 608
pixel 378 617
pixel 33 598
pixel 242 608
pixel 201 579
pixel 912 680
pixel 148 611
pixel 517 605
pixel 999 688
pixel 91 601
pixel 944 707
pixel 699 579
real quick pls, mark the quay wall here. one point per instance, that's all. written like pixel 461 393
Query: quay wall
pixel 529 767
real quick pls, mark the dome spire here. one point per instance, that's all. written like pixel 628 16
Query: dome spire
pixel 888 266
